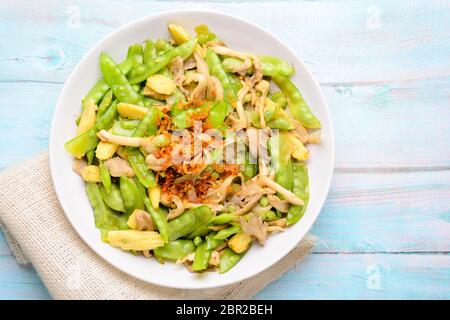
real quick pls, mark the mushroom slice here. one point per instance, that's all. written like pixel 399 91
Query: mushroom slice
pixel 280 205
pixel 155 163
pixel 215 88
pixel 178 211
pixel 255 227
pixel 199 92
pixel 288 195
pixel 240 69
pixel 118 167
pixel 251 202
pixel 120 140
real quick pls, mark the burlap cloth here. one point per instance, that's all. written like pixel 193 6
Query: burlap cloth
pixel 38 232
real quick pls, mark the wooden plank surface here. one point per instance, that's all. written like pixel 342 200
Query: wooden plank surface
pixel 384 69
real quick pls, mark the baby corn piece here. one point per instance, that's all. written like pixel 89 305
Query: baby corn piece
pixel 88 117
pixel 132 219
pixel 178 33
pixel 135 240
pixel 105 150
pixel 240 242
pixel 151 93
pixel 91 174
pixel 299 151
pixel 155 195
pixel 131 111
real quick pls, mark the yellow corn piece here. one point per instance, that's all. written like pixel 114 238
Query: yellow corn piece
pixel 151 93
pixel 240 242
pixel 299 151
pixel 178 33
pixel 161 84
pixel 135 240
pixel 105 150
pixel 91 174
pixel 155 195
pixel 87 119
pixel 131 111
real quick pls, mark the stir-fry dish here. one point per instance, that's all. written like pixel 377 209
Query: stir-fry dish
pixel 191 150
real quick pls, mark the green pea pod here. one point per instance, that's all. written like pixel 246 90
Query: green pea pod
pixel 204 35
pixel 226 233
pixel 230 63
pixel 228 260
pixel 149 51
pixel 189 221
pixel 144 71
pixel 90 156
pixel 301 190
pixel 82 143
pixel 279 98
pixel 107 119
pixel 201 259
pixel 159 218
pixel 105 177
pixel 216 69
pixel 98 206
pixel 272 65
pixel 101 87
pixel 106 102
pixel 113 198
pixel 197 241
pixel 174 250
pixel 235 82
pixel 140 168
pixel 282 122
pixel 117 81
pixel 162 46
pixel 223 219
pixel 132 197
pixel 186 118
pixel 280 154
pixel 135 51
pixel 217 114
pixel 296 104
pixel 212 243
pixel 149 124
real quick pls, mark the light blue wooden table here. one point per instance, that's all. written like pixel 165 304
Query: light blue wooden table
pixel 384 67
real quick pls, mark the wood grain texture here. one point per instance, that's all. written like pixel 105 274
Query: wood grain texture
pixel 384 69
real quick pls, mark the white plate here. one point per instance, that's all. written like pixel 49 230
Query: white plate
pixel 238 34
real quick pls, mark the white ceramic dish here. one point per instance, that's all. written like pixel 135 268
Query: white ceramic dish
pixel 238 34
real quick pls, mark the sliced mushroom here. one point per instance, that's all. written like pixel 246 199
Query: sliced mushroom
pixel 255 227
pixel 277 203
pixel 240 69
pixel 155 163
pixel 199 93
pixel 107 136
pixel 288 195
pixel 177 70
pixel 178 210
pixel 119 167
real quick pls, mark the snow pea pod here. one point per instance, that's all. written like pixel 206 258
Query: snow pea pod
pixel 201 259
pixel 280 154
pixel 228 260
pixel 107 119
pixel 279 98
pixel 101 87
pixel 235 82
pixel 230 63
pixel 223 218
pixel 174 250
pixel 211 242
pixel 105 177
pixel 204 35
pixel 117 81
pixel 226 233
pixel 106 102
pixel 296 104
pixel 132 197
pixel 144 71
pixel 143 172
pixel 159 219
pixel 186 118
pixel 83 143
pixel 135 51
pixel 162 46
pixel 216 69
pixel 189 221
pixel 149 124
pixel 301 190
pixel 272 65
pixel 114 198
pixel 149 51
pixel 281 121
pixel 217 114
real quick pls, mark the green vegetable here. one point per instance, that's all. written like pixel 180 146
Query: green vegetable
pixel 189 222
pixel 107 119
pixel 197 241
pixel 174 250
pixel 230 63
pixel 140 168
pixel 226 233
pixel 149 124
pixel 202 256
pixel 272 65
pixel 132 197
pixel 90 156
pixel 228 260
pixel 106 102
pixel 144 71
pixel 135 51
pixel 204 35
pixel 83 143
pixel 223 219
pixel 149 51
pixel 216 69
pixel 217 114
pixel 105 176
pixel 301 190
pixel 264 202
pixel 296 104
pixel 162 46
pixel 159 219
pixel 280 154
pixel 113 198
